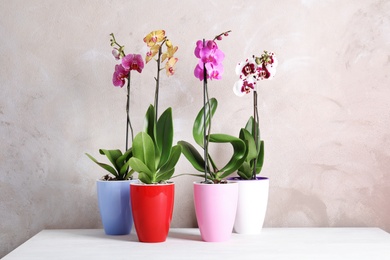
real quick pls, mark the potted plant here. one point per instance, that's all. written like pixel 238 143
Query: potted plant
pixel 253 189
pixel 113 189
pixel 215 198
pixel 154 156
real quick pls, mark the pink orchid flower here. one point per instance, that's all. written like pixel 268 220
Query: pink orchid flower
pixel 211 57
pixel 199 72
pixel 133 62
pixel 214 71
pixel 208 44
pixel 119 76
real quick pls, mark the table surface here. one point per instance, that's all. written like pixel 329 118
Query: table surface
pixel 186 243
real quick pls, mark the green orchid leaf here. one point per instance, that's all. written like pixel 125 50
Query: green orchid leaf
pixel 103 165
pixel 128 175
pixel 164 136
pixel 245 171
pixel 250 126
pixel 122 162
pixel 198 128
pixel 150 123
pixel 112 155
pixel 239 152
pixel 172 160
pixel 143 149
pixel 250 144
pixel 192 155
pixel 140 167
pixel 144 178
pixel 164 176
pixel 213 164
pixel 260 158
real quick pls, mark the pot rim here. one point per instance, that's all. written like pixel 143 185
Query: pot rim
pixel 152 185
pixel 212 184
pixel 258 178
pixel 114 181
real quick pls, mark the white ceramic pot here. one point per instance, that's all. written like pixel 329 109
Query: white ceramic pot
pixel 251 205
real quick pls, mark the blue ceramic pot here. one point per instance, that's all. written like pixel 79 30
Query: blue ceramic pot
pixel 115 207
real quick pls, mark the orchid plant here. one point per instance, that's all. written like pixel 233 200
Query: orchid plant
pixel 120 162
pixel 250 72
pixel 210 67
pixel 154 156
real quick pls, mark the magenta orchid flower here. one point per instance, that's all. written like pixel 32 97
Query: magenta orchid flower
pixel 210 66
pixel 120 74
pixel 214 71
pixel 129 62
pixel 211 58
pixel 133 62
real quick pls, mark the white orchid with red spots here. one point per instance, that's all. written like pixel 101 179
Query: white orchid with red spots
pixel 252 70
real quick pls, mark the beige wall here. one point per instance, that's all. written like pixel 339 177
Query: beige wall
pixel 325 118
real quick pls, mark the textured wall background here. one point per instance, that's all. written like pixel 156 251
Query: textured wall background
pixel 325 118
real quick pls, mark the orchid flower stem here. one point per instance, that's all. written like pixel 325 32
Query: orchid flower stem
pixel 206 132
pixel 255 131
pixel 157 84
pixel 128 123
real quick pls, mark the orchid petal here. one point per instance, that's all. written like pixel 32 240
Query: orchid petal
pixel 198 71
pixel 119 76
pixel 133 62
pixel 237 88
pixel 169 66
pixel 154 37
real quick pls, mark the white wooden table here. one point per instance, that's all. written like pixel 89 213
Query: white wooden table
pixel 272 243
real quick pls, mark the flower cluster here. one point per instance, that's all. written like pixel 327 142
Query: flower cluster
pixel 129 62
pixel 155 40
pixel 210 58
pixel 254 69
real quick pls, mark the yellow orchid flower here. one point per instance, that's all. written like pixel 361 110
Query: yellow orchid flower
pixel 154 37
pixel 170 50
pixel 152 52
pixel 169 66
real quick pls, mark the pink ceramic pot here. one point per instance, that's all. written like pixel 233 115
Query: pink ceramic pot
pixel 215 208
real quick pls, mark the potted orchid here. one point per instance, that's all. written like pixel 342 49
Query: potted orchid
pixel 215 198
pixel 154 156
pixel 253 189
pixel 113 188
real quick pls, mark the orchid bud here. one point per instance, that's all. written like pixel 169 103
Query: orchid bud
pixel 219 37
pixel 168 43
pixel 116 53
pixel 211 45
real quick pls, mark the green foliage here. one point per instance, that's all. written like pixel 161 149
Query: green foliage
pixel 154 156
pixel 215 173
pixel 120 163
pixel 255 156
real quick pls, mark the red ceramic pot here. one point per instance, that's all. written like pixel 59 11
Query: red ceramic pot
pixel 152 207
